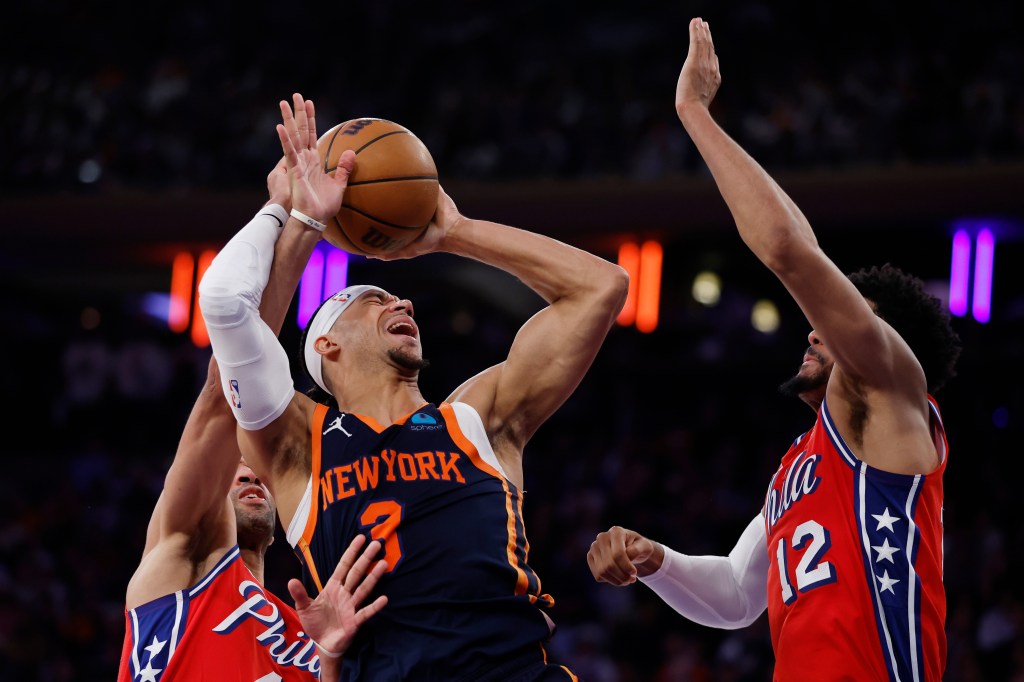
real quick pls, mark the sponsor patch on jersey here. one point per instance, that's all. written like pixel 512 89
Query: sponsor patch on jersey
pixel 423 422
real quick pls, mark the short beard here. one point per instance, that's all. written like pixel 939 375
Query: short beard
pixel 407 360
pixel 799 384
pixel 255 529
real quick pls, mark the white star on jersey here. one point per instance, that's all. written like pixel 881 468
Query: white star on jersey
pixel 885 520
pixel 149 673
pixel 885 551
pixel 156 647
pixel 887 582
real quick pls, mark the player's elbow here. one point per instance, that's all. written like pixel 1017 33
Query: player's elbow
pixel 736 620
pixel 221 302
pixel 612 287
pixel 748 618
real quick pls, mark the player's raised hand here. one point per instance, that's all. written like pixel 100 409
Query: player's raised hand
pixel 446 218
pixel 333 618
pixel 314 192
pixel 699 78
pixel 278 186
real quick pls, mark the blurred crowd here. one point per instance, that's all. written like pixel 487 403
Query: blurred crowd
pixel 674 434
pixel 524 90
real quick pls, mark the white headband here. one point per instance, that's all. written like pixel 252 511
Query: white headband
pixel 322 322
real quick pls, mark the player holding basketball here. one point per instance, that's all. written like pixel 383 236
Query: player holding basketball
pixel 439 483
pixel 846 553
pixel 196 608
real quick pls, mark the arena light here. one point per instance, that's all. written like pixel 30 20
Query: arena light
pixel 336 273
pixel 649 293
pixel 200 337
pixel 179 306
pixel 326 273
pixel 629 260
pixel 311 287
pixel 984 255
pixel 970 274
pixel 707 288
pixel 764 316
pixel 959 273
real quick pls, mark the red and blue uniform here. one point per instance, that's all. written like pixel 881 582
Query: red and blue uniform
pixel 226 627
pixel 463 603
pixel 855 585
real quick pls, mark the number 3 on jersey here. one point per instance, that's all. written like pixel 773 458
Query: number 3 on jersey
pixel 811 571
pixel 383 519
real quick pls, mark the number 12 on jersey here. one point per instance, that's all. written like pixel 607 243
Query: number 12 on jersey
pixel 813 540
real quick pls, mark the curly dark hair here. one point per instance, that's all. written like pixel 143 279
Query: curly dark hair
pixel 920 318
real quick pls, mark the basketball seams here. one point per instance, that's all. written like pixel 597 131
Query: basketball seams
pixel 372 235
pixel 341 231
pixel 392 179
pixel 327 155
pixel 377 220
pixel 381 137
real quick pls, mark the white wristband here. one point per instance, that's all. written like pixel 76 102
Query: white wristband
pixel 312 222
pixel 323 651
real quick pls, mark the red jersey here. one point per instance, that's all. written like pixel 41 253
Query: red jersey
pixel 855 584
pixel 226 627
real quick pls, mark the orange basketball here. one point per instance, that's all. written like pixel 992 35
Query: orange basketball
pixel 391 194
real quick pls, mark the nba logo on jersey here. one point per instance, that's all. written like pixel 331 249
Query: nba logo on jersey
pixel 236 400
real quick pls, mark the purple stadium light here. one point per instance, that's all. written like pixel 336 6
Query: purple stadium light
pixel 311 287
pixel 325 274
pixel 959 274
pixel 336 276
pixel 984 254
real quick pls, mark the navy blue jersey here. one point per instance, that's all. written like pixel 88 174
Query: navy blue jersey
pixel 461 595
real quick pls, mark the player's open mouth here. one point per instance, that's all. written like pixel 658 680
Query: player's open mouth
pixel 402 326
pixel 252 493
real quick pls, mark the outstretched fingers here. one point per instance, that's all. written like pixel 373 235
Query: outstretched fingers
pixel 348 559
pixel 702 46
pixel 301 121
pixel 287 132
pixel 364 590
pixel 354 578
pixel 694 37
pixel 311 123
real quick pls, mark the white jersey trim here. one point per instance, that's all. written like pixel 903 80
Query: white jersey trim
pixel 298 523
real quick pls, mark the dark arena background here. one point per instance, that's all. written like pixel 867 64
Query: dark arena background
pixel 134 134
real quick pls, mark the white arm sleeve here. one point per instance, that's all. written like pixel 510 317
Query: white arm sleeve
pixel 254 369
pixel 720 592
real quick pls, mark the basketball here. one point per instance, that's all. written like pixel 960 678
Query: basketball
pixel 391 194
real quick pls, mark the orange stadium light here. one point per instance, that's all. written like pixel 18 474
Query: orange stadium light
pixel 200 337
pixel 629 260
pixel 180 306
pixel 649 293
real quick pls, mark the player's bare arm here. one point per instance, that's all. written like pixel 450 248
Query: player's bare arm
pixel 279 446
pixel 876 373
pixel 192 521
pixel 554 349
